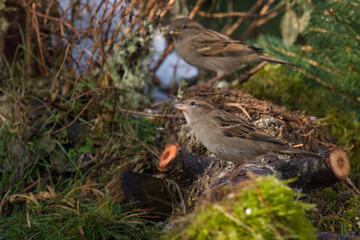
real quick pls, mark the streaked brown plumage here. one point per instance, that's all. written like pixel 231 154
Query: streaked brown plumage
pixel 230 137
pixel 212 51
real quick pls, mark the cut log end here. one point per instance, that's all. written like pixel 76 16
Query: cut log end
pixel 170 152
pixel 339 162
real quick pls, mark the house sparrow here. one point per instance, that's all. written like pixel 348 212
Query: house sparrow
pixel 230 137
pixel 212 51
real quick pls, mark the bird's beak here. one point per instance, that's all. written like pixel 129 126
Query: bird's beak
pixel 172 31
pixel 180 106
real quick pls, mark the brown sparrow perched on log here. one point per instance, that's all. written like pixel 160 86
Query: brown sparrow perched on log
pixel 212 51
pixel 230 137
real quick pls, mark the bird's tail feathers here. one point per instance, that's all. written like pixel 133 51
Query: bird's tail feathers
pixel 302 152
pixel 275 60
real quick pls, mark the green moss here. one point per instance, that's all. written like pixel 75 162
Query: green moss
pixel 263 208
pixel 336 212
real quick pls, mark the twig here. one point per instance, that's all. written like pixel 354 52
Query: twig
pixel 91 91
pixel 224 15
pixel 62 21
pixel 37 31
pixel 163 56
pixel 264 17
pixel 148 114
pixel 241 107
pixel 243 19
pixel 31 186
pixel 56 105
pixel 196 8
pixel 245 77
pixel 61 67
pixel 160 103
pixel 167 8
pixel 75 119
pixel 353 186
pixel 298 145
pixel 112 10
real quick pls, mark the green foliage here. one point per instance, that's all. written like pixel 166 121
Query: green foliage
pixel 336 211
pixel 331 55
pixel 327 83
pixel 263 208
pixel 333 33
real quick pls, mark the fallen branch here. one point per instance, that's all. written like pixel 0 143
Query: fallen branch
pixel 186 169
pixel 313 173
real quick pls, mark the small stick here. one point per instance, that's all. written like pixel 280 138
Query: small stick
pixel 241 107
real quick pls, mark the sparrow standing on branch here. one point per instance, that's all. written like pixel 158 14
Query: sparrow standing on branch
pixel 230 137
pixel 212 51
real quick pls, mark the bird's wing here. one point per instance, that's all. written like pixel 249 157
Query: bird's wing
pixel 213 44
pixel 234 126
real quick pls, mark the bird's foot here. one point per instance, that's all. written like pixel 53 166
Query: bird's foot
pixel 269 160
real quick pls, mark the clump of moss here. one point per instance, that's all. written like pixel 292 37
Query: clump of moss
pixel 336 211
pixel 262 208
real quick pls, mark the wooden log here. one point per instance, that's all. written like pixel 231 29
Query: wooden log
pixel 145 191
pixel 182 166
pixel 311 173
pixel 316 173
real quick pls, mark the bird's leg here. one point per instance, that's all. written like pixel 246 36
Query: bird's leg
pixel 211 82
pixel 244 77
pixel 214 81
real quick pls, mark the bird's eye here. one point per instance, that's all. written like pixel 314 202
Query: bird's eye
pixel 184 27
pixel 192 103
